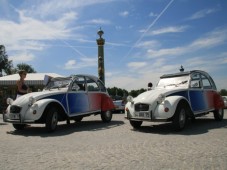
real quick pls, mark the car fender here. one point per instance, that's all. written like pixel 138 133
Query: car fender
pixel 107 103
pixel 167 108
pixel 37 109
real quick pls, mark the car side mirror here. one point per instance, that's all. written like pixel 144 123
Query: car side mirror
pixel 149 85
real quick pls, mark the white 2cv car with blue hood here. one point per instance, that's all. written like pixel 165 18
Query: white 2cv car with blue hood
pixel 63 98
pixel 175 98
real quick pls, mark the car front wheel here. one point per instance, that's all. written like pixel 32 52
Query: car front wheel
pixel 136 124
pixel 106 116
pixel 180 117
pixel 51 119
pixel 218 114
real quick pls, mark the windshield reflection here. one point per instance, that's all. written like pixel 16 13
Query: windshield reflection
pixel 172 82
pixel 58 83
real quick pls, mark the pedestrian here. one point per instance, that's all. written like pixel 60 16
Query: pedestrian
pixel 22 88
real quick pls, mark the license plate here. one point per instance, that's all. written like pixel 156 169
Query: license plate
pixel 14 116
pixel 143 114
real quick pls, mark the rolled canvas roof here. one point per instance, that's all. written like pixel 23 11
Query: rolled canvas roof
pixel 31 78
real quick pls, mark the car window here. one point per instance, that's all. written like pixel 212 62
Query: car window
pixel 195 81
pixel 79 84
pixel 92 85
pixel 206 82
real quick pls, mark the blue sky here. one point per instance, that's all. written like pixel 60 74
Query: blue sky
pixel 143 38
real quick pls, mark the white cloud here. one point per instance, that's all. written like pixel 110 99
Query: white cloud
pixel 22 57
pixel 136 65
pixel 166 30
pixel 27 45
pixel 201 14
pixel 54 7
pixel 124 13
pixel 148 44
pixel 81 63
pixel 99 21
pixel 130 82
pixel 153 14
pixel 71 64
pixel 212 39
pixel 28 31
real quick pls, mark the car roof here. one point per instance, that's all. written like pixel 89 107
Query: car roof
pixel 184 73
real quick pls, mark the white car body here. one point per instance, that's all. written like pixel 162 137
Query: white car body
pixel 63 99
pixel 176 97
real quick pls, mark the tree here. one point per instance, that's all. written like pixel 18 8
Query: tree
pixel 135 93
pixel 223 92
pixel 5 64
pixel 26 67
pixel 114 91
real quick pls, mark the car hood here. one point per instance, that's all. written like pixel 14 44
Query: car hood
pixel 37 96
pixel 152 95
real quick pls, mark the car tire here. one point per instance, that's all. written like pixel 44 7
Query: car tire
pixel 19 126
pixel 106 116
pixel 78 119
pixel 135 124
pixel 219 114
pixel 180 117
pixel 51 119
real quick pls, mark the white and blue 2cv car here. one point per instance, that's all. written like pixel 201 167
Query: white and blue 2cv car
pixel 63 98
pixel 175 98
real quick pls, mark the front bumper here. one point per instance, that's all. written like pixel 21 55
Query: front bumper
pixel 15 118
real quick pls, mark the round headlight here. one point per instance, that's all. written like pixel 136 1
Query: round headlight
pixel 31 100
pixel 9 101
pixel 161 98
pixel 130 99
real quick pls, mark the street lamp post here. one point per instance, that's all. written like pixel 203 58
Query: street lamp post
pixel 100 42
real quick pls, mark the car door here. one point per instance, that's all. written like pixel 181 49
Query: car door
pixel 94 95
pixel 78 102
pixel 208 92
pixel 196 94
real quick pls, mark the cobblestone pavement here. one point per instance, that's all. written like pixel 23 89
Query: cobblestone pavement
pixel 92 144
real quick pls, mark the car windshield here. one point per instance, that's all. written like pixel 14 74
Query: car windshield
pixel 58 83
pixel 172 82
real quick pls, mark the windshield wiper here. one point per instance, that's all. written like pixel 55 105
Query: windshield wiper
pixel 171 85
pixel 183 82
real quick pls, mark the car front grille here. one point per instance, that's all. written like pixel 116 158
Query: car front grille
pixel 141 107
pixel 15 109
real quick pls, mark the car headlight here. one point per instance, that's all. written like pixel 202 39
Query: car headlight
pixel 9 101
pixel 161 98
pixel 130 99
pixel 32 100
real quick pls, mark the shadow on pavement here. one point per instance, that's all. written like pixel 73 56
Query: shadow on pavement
pixel 66 129
pixel 3 123
pixel 199 126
